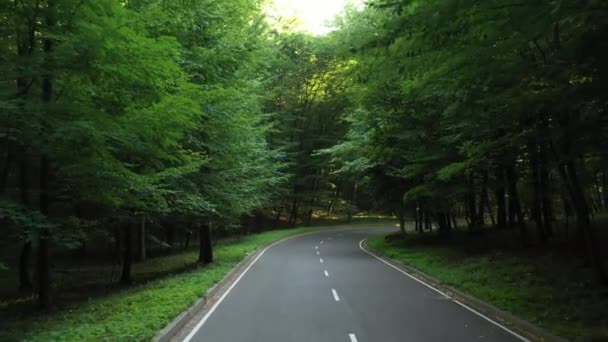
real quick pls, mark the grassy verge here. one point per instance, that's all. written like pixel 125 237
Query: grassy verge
pixel 139 312
pixel 552 293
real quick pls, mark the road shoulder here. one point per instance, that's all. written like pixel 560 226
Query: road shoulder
pixel 525 330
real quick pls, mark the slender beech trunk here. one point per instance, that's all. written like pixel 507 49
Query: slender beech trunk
pixel 454 223
pixel 471 205
pixel 25 48
pixel 127 257
pixel 311 203
pixel 597 187
pixel 402 218
pixel 605 189
pixel 187 240
pixel 536 200
pixel 8 162
pixel 514 205
pixel 25 281
pixel 483 199
pixel 490 211
pixel 445 231
pixel 546 205
pixel 417 225
pixel 427 220
pixel 570 176
pixel 293 216
pixel 141 241
pixel 334 198
pixel 205 254
pixel 43 264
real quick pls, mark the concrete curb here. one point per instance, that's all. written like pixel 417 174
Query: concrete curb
pixel 518 325
pixel 175 327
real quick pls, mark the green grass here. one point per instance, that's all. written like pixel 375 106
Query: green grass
pixel 550 292
pixel 139 312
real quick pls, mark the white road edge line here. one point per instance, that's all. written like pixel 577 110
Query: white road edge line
pixel 326 273
pixel 353 337
pixel 445 295
pixel 321 260
pixel 322 242
pixel 333 291
pixel 219 301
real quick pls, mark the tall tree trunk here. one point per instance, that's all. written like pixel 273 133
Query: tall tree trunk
pixel 454 223
pixel 43 265
pixel 293 216
pixel 536 201
pixel 188 236
pixel 546 205
pixel 25 282
pixel 570 176
pixel 605 189
pixel 445 230
pixel 25 48
pixel 205 255
pixel 141 241
pixel 43 268
pixel 127 258
pixel 334 198
pixel 417 225
pixel 514 205
pixel 427 220
pixel 471 206
pixel 8 162
pixel 483 199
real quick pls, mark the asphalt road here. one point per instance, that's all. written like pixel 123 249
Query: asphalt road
pixel 325 288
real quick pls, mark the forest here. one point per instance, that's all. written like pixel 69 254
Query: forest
pixel 137 130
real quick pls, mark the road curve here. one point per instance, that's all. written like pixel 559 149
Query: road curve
pixel 325 288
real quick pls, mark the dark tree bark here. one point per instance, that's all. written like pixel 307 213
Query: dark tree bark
pixel 471 205
pixel 514 205
pixel 293 216
pixel 570 177
pixel 8 162
pixel 605 189
pixel 445 230
pixel 141 240
pixel 536 201
pixel 127 257
pixel 427 221
pixel 402 220
pixel 334 198
pixel 454 223
pixel 417 221
pixel 546 205
pixel 483 199
pixel 43 265
pixel 25 282
pixel 205 255
pixel 188 234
